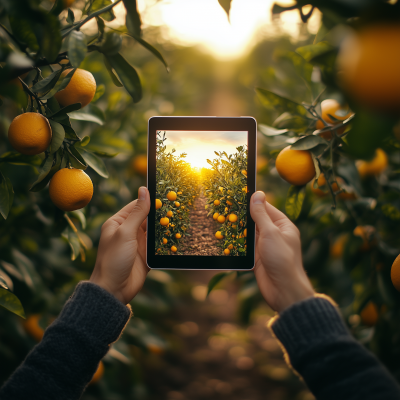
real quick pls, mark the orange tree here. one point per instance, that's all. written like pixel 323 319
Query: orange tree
pixel 225 187
pixel 176 190
pixel 336 152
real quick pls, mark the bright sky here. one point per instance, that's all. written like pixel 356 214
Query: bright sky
pixel 200 145
pixel 204 22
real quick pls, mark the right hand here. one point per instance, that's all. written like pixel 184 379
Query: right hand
pixel 278 264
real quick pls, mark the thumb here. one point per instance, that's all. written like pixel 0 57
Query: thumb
pixel 137 215
pixel 260 216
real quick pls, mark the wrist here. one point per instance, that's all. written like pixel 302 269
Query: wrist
pixel 99 282
pixel 302 290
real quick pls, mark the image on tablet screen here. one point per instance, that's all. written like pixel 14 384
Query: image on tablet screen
pixel 201 193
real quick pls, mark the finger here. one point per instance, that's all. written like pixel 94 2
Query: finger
pixel 260 216
pixel 278 217
pixel 138 214
pixel 144 225
pixel 114 222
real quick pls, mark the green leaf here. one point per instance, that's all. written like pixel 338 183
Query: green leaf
pixel 91 113
pixel 11 302
pixel 308 142
pixel 153 50
pixel 95 162
pixel 226 5
pixel 269 131
pixel 128 76
pixel 3 282
pixel 48 170
pixel 72 239
pixel 98 5
pixel 71 16
pixel 114 77
pixel 215 280
pixel 47 83
pixel 76 48
pixel 23 31
pixel 4 197
pixel 14 92
pixel 49 37
pixel 312 50
pixel 302 67
pixel 79 215
pixel 292 122
pixel 15 158
pixel 294 201
pixel 100 90
pixel 60 85
pixel 31 278
pixel 84 142
pixel 62 113
pixel 58 135
pixel 281 104
pixel 133 21
pixel 111 44
pixel 76 160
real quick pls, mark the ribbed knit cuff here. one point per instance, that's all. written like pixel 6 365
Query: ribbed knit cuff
pixel 97 312
pixel 307 322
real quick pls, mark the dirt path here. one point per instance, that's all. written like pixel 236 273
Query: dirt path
pixel 202 241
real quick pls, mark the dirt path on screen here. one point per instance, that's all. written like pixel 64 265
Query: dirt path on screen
pixel 202 241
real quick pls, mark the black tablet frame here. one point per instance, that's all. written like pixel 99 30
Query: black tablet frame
pixel 182 262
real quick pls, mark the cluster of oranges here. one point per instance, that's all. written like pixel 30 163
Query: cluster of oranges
pixel 30 134
pixel 226 189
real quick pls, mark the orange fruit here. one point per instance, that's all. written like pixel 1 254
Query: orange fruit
pixel 232 218
pixel 245 233
pixel 230 247
pixel 30 133
pixel 244 172
pixel 178 235
pixel 229 203
pixel 366 233
pixel 177 204
pixel 155 348
pixel 169 214
pixel 174 249
pixel 244 189
pixel 336 250
pixel 369 314
pixel 215 216
pixel 171 196
pixel 217 202
pixel 295 166
pixel 374 167
pixel 221 219
pixel 227 252
pixel 158 204
pixel 331 107
pixel 165 241
pixel 395 273
pixel 80 89
pixel 139 164
pixel 158 250
pixel 179 193
pixel 164 221
pixel 70 189
pixel 219 235
pixel 32 327
pixel 98 374
pixel 369 64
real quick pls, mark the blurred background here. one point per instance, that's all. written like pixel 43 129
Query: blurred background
pixel 181 343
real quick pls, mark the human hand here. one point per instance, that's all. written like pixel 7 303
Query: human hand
pixel 121 259
pixel 278 264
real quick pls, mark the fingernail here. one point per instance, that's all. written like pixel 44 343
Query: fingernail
pixel 258 198
pixel 142 193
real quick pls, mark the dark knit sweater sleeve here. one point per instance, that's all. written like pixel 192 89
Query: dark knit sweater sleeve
pixel 333 364
pixel 63 363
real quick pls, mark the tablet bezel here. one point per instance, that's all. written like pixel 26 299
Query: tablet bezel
pixel 185 262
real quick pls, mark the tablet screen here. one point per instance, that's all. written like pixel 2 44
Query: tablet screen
pixel 201 193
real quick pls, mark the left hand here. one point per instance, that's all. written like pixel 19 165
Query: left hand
pixel 121 259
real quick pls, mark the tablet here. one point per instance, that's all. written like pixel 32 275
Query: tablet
pixel 201 175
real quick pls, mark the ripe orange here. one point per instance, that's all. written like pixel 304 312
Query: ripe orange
pixel 177 204
pixel 215 216
pixel 164 221
pixel 179 193
pixel 232 218
pixel 178 235
pixel 98 374
pixel 331 107
pixel 70 189
pixel 158 204
pixel 369 64
pixel 374 167
pixel 158 250
pixel 174 249
pixel 219 235
pixel 229 203
pixel 366 233
pixel 30 133
pixel 244 172
pixel 32 327
pixel 230 247
pixel 336 250
pixel 171 196
pixel 80 89
pixel 244 189
pixel 139 164
pixel 221 219
pixel 245 233
pixel 165 241
pixel 227 252
pixel 169 214
pixel 217 202
pixel 295 166
pixel 395 273
pixel 369 314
